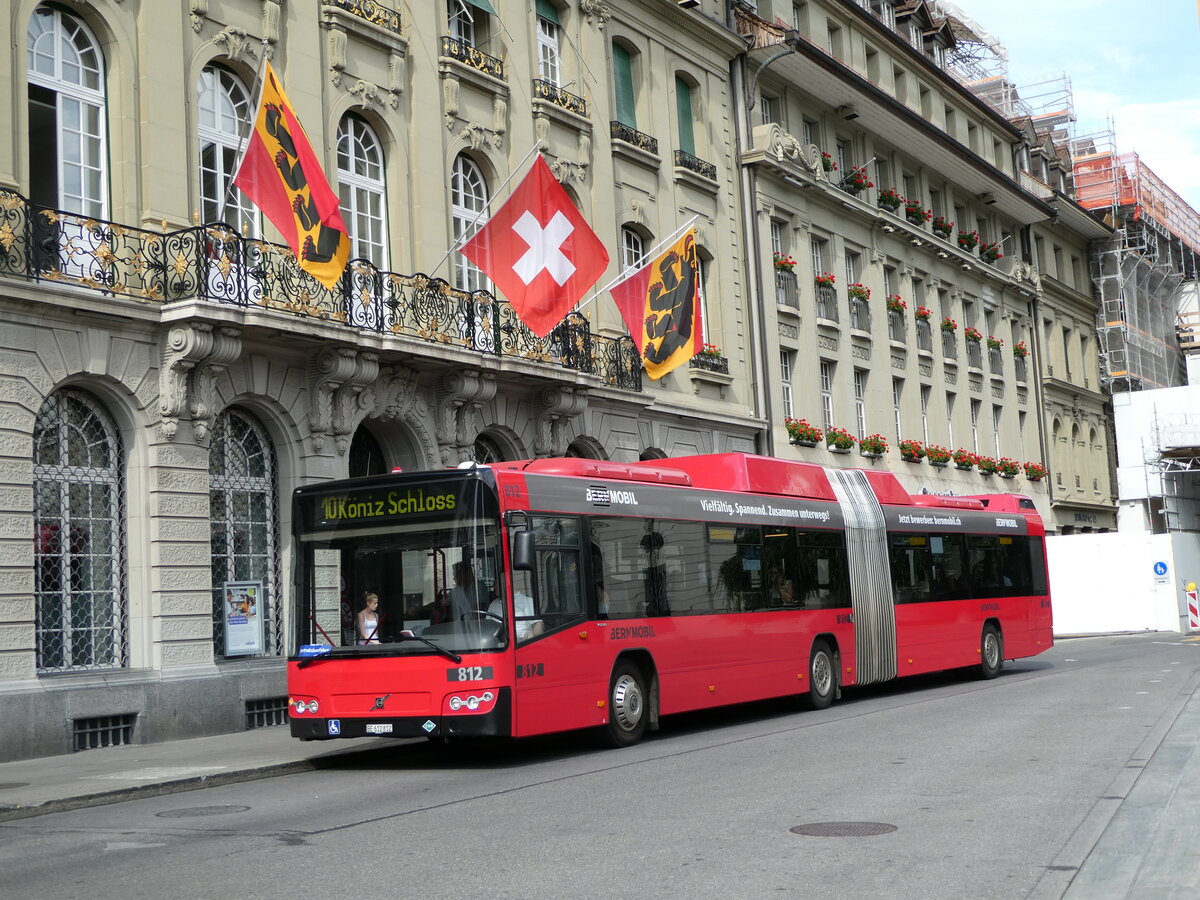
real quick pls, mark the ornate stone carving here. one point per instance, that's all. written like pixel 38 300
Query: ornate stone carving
pixel 478 136
pixel 366 93
pixel 456 412
pixel 193 355
pixel 337 55
pixel 336 382
pixel 565 170
pixel 554 408
pixel 499 117
pixel 199 14
pixel 237 45
pixel 396 393
pixel 397 73
pixel 450 100
pixel 597 12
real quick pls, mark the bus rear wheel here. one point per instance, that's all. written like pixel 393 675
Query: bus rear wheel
pixel 991 652
pixel 822 677
pixel 627 712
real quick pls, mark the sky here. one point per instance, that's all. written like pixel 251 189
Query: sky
pixel 1136 62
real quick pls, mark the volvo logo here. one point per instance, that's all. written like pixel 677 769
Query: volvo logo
pixel 379 701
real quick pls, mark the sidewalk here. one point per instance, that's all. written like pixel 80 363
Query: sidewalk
pixel 32 787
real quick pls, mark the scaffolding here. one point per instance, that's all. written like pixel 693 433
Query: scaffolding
pixel 1141 271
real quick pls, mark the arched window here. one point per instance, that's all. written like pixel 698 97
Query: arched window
pixel 243 503
pixel 223 127
pixel 366 456
pixel 468 209
pixel 487 450
pixel 361 190
pixel 632 249
pixel 67 127
pixel 79 536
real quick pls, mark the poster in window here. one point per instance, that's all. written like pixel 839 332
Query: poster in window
pixel 244 613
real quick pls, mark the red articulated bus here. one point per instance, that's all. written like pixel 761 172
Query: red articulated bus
pixel 524 598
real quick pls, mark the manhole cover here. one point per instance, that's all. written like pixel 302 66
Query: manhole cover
pixel 9 785
pixel 843 829
pixel 195 811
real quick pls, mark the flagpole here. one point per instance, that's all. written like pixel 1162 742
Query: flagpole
pixel 256 95
pixel 470 229
pixel 650 254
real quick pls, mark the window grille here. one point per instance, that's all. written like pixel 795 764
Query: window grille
pixel 102 731
pixel 79 536
pixel 265 713
pixel 244 503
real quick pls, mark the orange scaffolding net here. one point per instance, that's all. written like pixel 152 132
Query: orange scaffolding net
pixel 1122 182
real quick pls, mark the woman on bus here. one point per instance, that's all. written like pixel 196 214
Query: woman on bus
pixel 368 620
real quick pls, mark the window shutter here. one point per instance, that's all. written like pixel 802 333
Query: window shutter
pixel 548 11
pixel 683 104
pixel 623 82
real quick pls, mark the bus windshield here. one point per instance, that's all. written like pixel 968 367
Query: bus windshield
pixel 390 568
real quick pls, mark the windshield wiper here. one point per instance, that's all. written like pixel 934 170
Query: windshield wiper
pixel 450 655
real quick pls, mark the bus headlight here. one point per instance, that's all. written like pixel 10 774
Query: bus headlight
pixel 456 703
pixel 305 706
pixel 472 703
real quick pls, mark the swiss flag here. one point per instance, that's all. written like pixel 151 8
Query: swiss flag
pixel 539 251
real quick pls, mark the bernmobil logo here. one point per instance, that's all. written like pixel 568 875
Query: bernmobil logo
pixel 602 496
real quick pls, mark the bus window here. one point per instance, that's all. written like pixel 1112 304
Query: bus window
pixel 822 569
pixel 735 565
pixel 557 578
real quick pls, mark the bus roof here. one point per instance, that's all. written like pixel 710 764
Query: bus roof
pixel 744 472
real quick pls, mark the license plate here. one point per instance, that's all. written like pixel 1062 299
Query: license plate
pixel 380 728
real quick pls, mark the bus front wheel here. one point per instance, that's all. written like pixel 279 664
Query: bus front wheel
pixel 991 652
pixel 627 711
pixel 822 676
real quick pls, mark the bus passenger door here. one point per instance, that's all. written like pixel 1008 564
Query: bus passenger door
pixel 557 669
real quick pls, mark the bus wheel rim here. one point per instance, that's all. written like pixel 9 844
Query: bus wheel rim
pixel 822 675
pixel 627 702
pixel 991 648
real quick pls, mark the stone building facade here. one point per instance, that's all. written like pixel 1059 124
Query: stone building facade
pixel 168 375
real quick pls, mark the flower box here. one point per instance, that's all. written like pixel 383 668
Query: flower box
pixel 942 228
pixel 912 451
pixel 964 459
pixel 1020 350
pixel 858 291
pixel 916 213
pixel 874 445
pixel 889 199
pixel 990 252
pixel 922 313
pixel 949 324
pixel 1035 471
pixel 840 440
pixel 856 181
pixel 968 240
pixel 895 304
pixel 994 343
pixel 783 263
pixel 803 432
pixel 986 464
pixel 937 455
pixel 827 162
pixel 826 279
pixel 973 334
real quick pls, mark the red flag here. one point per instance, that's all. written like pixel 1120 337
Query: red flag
pixel 660 304
pixel 281 175
pixel 539 250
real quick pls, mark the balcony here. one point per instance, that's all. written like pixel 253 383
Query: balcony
pixel 212 264
pixel 552 93
pixel 949 345
pixel 619 131
pixel 827 305
pixel 1021 369
pixel 453 48
pixel 896 329
pixel 786 291
pixel 687 162
pixel 710 363
pixel 974 355
pixel 995 361
pixel 369 11
pixel 860 314
pixel 924 336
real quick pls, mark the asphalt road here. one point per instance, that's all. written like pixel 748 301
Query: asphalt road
pixel 953 788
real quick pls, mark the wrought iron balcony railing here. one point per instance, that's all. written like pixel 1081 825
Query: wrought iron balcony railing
pixel 949 345
pixel 896 326
pixel 619 131
pixel 924 336
pixel 1021 368
pixel 369 10
pixel 213 263
pixel 827 306
pixel 685 160
pixel 552 93
pixel 786 292
pixel 860 314
pixel 710 363
pixel 974 355
pixel 460 50
pixel 995 361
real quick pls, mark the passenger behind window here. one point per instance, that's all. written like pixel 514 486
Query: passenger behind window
pixel 524 622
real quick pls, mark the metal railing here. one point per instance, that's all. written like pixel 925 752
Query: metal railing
pixel 619 131
pixel 974 355
pixel 214 263
pixel 860 314
pixel 552 93
pixel 896 326
pixel 710 363
pixel 995 361
pixel 1020 368
pixel 949 345
pixel 924 336
pixel 460 50
pixel 786 291
pixel 685 160
pixel 827 305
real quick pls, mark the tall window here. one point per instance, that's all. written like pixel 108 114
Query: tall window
pixel 361 189
pixel 853 266
pixel 224 123
pixel 67 126
pixel 548 42
pixel 950 398
pixel 897 391
pixel 768 108
pixel 623 86
pixel 785 376
pixel 860 402
pixel 826 378
pixel 79 536
pixel 925 392
pixel 842 152
pixel 812 131
pixel 468 210
pixel 816 248
pixel 683 108
pixel 632 249
pixel 975 404
pixel 996 410
pixel 243 499
pixel 777 237
pixel 467 21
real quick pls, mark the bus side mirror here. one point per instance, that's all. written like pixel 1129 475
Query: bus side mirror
pixel 522 551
